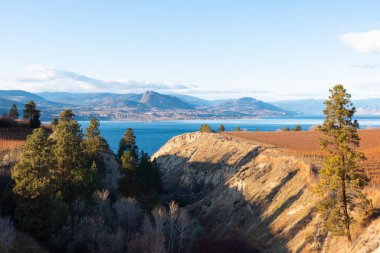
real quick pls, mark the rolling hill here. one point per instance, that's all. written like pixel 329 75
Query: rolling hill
pixel 314 107
pixel 249 105
pixel 151 100
pixel 19 97
pixel 163 102
pixel 152 105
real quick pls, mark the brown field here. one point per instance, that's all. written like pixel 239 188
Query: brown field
pixel 12 138
pixel 10 148
pixel 306 143
pixel 10 144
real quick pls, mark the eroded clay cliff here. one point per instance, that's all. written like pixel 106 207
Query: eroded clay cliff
pixel 259 192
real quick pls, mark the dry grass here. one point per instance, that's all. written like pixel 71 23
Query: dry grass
pixel 10 144
pixel 303 141
pixel 307 143
pixel 10 149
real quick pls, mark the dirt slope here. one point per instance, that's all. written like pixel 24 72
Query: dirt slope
pixel 258 192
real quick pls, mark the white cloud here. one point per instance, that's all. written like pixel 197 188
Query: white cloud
pixel 366 66
pixel 363 42
pixel 40 78
pixel 44 79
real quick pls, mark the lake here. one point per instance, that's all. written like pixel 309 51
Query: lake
pixel 150 136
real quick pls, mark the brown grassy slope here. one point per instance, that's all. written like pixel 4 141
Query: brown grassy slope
pixel 14 136
pixel 307 143
pixel 10 144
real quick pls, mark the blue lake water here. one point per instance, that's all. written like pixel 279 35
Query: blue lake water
pixel 150 136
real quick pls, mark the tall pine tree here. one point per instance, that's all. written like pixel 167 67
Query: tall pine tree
pixel 13 113
pixel 128 184
pixel 32 114
pixel 138 174
pixel 93 142
pixel 128 142
pixel 73 175
pixel 39 206
pixel 341 178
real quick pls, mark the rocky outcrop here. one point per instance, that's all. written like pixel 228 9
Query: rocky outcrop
pixel 111 172
pixel 238 187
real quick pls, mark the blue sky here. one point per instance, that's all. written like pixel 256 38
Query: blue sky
pixel 270 50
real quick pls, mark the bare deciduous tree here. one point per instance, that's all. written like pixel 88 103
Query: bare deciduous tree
pixel 152 239
pixel 102 203
pixel 170 231
pixel 171 226
pixel 128 214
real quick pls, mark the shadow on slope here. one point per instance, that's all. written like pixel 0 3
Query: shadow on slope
pixel 202 188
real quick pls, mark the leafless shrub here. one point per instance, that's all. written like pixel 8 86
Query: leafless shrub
pixel 160 216
pixel 150 241
pixel 101 195
pixel 79 206
pixel 171 225
pixel 118 241
pixel 102 203
pixel 171 229
pixel 178 228
pixel 7 234
pixel 184 230
pixel 91 235
pixel 128 214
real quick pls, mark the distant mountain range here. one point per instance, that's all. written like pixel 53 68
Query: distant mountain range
pixel 150 101
pixel 314 107
pixel 19 97
pixel 151 105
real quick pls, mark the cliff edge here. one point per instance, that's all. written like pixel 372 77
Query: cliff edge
pixel 259 192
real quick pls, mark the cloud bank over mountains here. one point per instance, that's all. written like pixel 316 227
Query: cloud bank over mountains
pixel 40 78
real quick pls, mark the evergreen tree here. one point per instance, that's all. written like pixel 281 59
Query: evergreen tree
pixel 93 142
pixel 32 114
pixel 157 177
pixel 128 184
pixel 286 129
pixel 128 142
pixel 51 174
pixel 341 178
pixel 149 174
pixel 13 113
pixel 238 129
pixel 138 174
pixel 205 128
pixel 145 173
pixel 66 115
pixel 39 207
pixel 54 121
pixel 29 109
pixel 297 128
pixel 73 174
pixel 221 129
pixel 35 121
pixel 32 172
